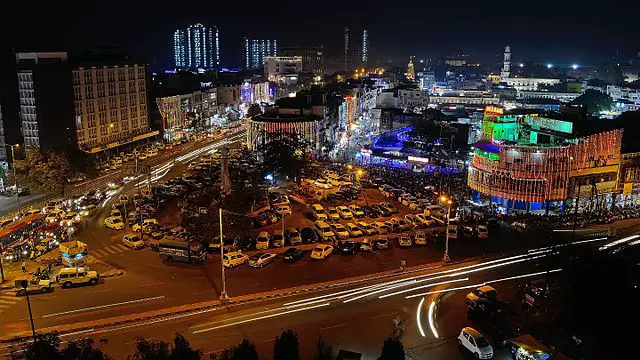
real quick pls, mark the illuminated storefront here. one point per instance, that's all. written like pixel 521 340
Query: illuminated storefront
pixel 529 161
pixel 264 128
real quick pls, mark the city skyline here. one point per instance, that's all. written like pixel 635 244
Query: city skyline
pixel 581 36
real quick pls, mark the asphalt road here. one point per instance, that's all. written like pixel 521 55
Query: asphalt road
pixel 360 325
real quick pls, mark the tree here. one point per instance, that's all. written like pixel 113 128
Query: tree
pixel 392 350
pixel 594 101
pixel 286 346
pixel 323 350
pixel 47 347
pixel 160 350
pixel 48 171
pixel 83 350
pixel 246 350
pixel 285 154
pixel 253 110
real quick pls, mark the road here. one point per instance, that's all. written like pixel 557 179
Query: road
pixel 357 320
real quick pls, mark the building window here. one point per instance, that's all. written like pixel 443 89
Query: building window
pixel 120 74
pixel 112 89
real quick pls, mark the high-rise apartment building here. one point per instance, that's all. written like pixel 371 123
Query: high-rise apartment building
pixel 45 100
pixel 365 46
pixel 254 52
pixel 110 104
pixel 196 47
pixel 312 57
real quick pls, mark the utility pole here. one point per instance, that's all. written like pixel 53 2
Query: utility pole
pixel 445 257
pixel 2 262
pixel 223 295
pixel 139 197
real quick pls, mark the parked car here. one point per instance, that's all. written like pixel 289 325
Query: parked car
pixel 292 255
pixel 475 342
pixel 367 245
pixel 114 223
pixel 293 236
pixel 404 240
pixel 132 241
pixel 333 214
pixel 381 227
pixel 353 230
pixel 381 242
pixel 68 277
pixel 262 242
pixel 283 210
pixel 340 231
pixel 261 259
pixel 482 231
pixel 277 240
pixel 356 211
pixel 308 235
pixel 321 251
pixel 420 238
pixel 234 258
pixel 348 248
pixel 344 212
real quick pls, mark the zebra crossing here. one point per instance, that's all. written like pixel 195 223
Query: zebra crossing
pixel 6 301
pixel 109 250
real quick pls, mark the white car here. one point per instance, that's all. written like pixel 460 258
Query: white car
pixel 356 211
pixel 344 212
pixel 474 341
pixel 283 210
pixel 404 240
pixel 132 241
pixel 333 214
pixel 321 251
pixel 380 227
pixel 261 259
pixel 145 224
pixel 412 221
pixel 114 222
pixel 340 231
pixel 353 230
pixel 425 220
pixel 420 238
pixel 322 184
pixel 366 228
pixel 482 231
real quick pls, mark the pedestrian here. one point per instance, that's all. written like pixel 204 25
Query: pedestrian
pixel 24 267
pixel 49 269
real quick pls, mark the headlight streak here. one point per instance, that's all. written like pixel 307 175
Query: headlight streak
pixel 432 324
pixel 484 283
pixel 418 321
pixel 259 318
pixel 618 242
pixel 422 287
pixel 104 306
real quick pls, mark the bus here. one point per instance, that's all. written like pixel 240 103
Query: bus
pixel 184 251
pixel 19 229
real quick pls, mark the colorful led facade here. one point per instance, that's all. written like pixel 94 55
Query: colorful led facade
pixel 536 159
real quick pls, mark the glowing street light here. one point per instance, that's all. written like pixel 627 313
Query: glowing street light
pixel 574 66
pixel 521 65
pixel 444 199
pixel 549 66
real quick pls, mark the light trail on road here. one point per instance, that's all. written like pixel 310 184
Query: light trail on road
pixel 97 307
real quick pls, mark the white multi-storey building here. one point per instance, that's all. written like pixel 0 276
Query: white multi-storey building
pixel 110 105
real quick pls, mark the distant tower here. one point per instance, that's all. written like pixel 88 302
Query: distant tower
pixel 411 72
pixel 365 46
pixel 346 47
pixel 506 65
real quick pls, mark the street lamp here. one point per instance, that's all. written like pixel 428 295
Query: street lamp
pixel 444 199
pixel 25 284
pixel 223 295
pixel 15 177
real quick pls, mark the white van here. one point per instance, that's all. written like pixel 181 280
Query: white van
pixel 318 212
pixel 324 230
pixel 68 277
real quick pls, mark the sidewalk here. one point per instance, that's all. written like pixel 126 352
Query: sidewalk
pixel 13 270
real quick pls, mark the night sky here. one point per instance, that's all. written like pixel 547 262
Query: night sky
pixel 543 30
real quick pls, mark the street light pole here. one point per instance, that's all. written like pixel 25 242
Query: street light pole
pixel 445 257
pixel 223 295
pixel 25 285
pixel 15 176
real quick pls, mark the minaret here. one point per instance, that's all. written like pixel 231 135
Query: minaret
pixel 411 73
pixel 506 65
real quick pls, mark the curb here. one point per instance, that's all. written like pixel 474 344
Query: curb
pixel 211 305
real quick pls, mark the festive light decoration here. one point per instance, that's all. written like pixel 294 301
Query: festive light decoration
pixel 510 164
